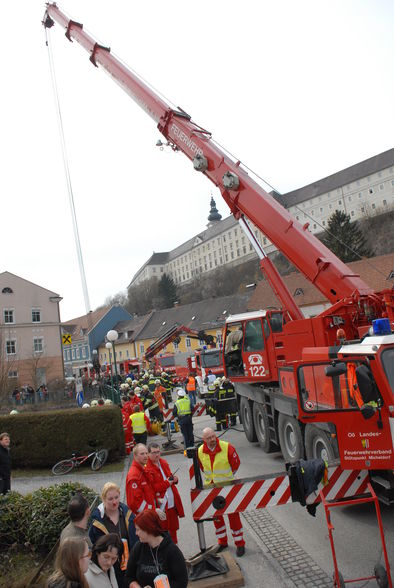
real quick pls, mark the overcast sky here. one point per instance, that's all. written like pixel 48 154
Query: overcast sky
pixel 296 90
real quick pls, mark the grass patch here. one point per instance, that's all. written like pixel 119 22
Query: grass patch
pixel 84 470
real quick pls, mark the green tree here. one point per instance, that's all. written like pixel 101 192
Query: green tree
pixel 344 238
pixel 167 291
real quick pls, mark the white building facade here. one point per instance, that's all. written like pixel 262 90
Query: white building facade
pixel 364 189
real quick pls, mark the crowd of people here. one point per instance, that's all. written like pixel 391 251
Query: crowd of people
pixel 132 544
pixel 135 544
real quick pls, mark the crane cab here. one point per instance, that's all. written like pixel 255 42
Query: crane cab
pixel 253 346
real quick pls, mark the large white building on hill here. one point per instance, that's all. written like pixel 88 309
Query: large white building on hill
pixel 366 188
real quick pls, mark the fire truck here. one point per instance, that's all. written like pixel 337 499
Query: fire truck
pixel 204 361
pixel 179 365
pixel 315 386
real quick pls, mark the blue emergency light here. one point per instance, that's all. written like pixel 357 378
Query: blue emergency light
pixel 381 326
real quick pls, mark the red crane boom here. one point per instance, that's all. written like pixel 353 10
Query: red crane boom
pixel 243 195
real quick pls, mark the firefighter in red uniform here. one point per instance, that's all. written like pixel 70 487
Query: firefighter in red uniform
pixel 134 400
pixel 219 461
pixel 139 492
pixel 164 485
pixel 128 436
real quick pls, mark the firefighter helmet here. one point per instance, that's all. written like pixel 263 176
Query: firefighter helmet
pixel 108 401
pixel 86 405
pixel 94 403
pixel 14 411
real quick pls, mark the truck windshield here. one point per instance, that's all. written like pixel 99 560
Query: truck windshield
pixel 388 365
pixel 167 361
pixel 209 360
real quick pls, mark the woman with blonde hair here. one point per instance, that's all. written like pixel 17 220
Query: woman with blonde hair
pixel 72 561
pixel 113 516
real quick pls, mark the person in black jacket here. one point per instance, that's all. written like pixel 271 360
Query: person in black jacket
pixel 5 463
pixel 154 554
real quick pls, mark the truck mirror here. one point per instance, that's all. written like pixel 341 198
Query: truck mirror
pixel 337 369
pixel 367 411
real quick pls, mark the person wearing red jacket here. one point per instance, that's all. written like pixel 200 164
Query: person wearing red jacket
pixel 134 400
pixel 139 492
pixel 128 435
pixel 219 461
pixel 164 485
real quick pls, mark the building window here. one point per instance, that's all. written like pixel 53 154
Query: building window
pixel 77 353
pixel 13 374
pixel 35 316
pixel 176 345
pixel 8 316
pixel 37 345
pixel 352 213
pixel 83 352
pixel 362 209
pixel 142 348
pixel 384 202
pixel 188 342
pixel 120 354
pixel 10 347
pixel 9 290
pixel 73 354
pixel 340 202
pixel 381 187
pixel 373 205
pixel 371 190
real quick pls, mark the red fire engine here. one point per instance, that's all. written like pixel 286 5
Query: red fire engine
pixel 322 384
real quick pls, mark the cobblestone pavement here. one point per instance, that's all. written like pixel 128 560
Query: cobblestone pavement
pixel 296 563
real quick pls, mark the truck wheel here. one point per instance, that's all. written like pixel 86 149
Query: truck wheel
pixel 261 426
pixel 318 444
pixel 247 420
pixel 290 438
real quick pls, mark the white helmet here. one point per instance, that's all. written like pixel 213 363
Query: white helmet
pixel 129 380
pixel 145 387
pixel 163 373
pixel 124 387
pixel 14 411
pixel 181 392
pixel 86 405
pixel 137 390
pixel 218 381
pixel 108 401
pixel 94 403
pixel 157 381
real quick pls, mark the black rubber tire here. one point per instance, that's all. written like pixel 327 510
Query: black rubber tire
pixel 261 427
pixel 341 580
pixel 381 576
pixel 247 420
pixel 290 438
pixel 318 444
pixel 99 459
pixel 63 467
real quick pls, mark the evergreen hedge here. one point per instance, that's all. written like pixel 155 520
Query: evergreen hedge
pixel 36 520
pixel 42 439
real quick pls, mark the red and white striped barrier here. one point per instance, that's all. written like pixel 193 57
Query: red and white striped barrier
pixel 198 410
pixel 265 491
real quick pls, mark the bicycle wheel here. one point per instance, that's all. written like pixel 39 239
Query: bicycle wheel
pixel 63 467
pixel 99 459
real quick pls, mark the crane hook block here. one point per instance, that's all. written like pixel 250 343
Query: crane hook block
pixel 200 163
pixel 230 181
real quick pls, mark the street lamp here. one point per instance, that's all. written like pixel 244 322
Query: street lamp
pixel 108 345
pixel 112 336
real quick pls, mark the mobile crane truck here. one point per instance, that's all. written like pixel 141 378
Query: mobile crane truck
pixel 322 385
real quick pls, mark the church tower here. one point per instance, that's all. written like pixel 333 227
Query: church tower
pixel 214 215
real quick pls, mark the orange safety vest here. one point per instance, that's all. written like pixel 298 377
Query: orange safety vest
pixel 351 392
pixel 191 384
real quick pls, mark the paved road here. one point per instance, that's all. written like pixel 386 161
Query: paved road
pixel 285 545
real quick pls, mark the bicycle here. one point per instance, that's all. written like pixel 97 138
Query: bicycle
pixel 66 465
